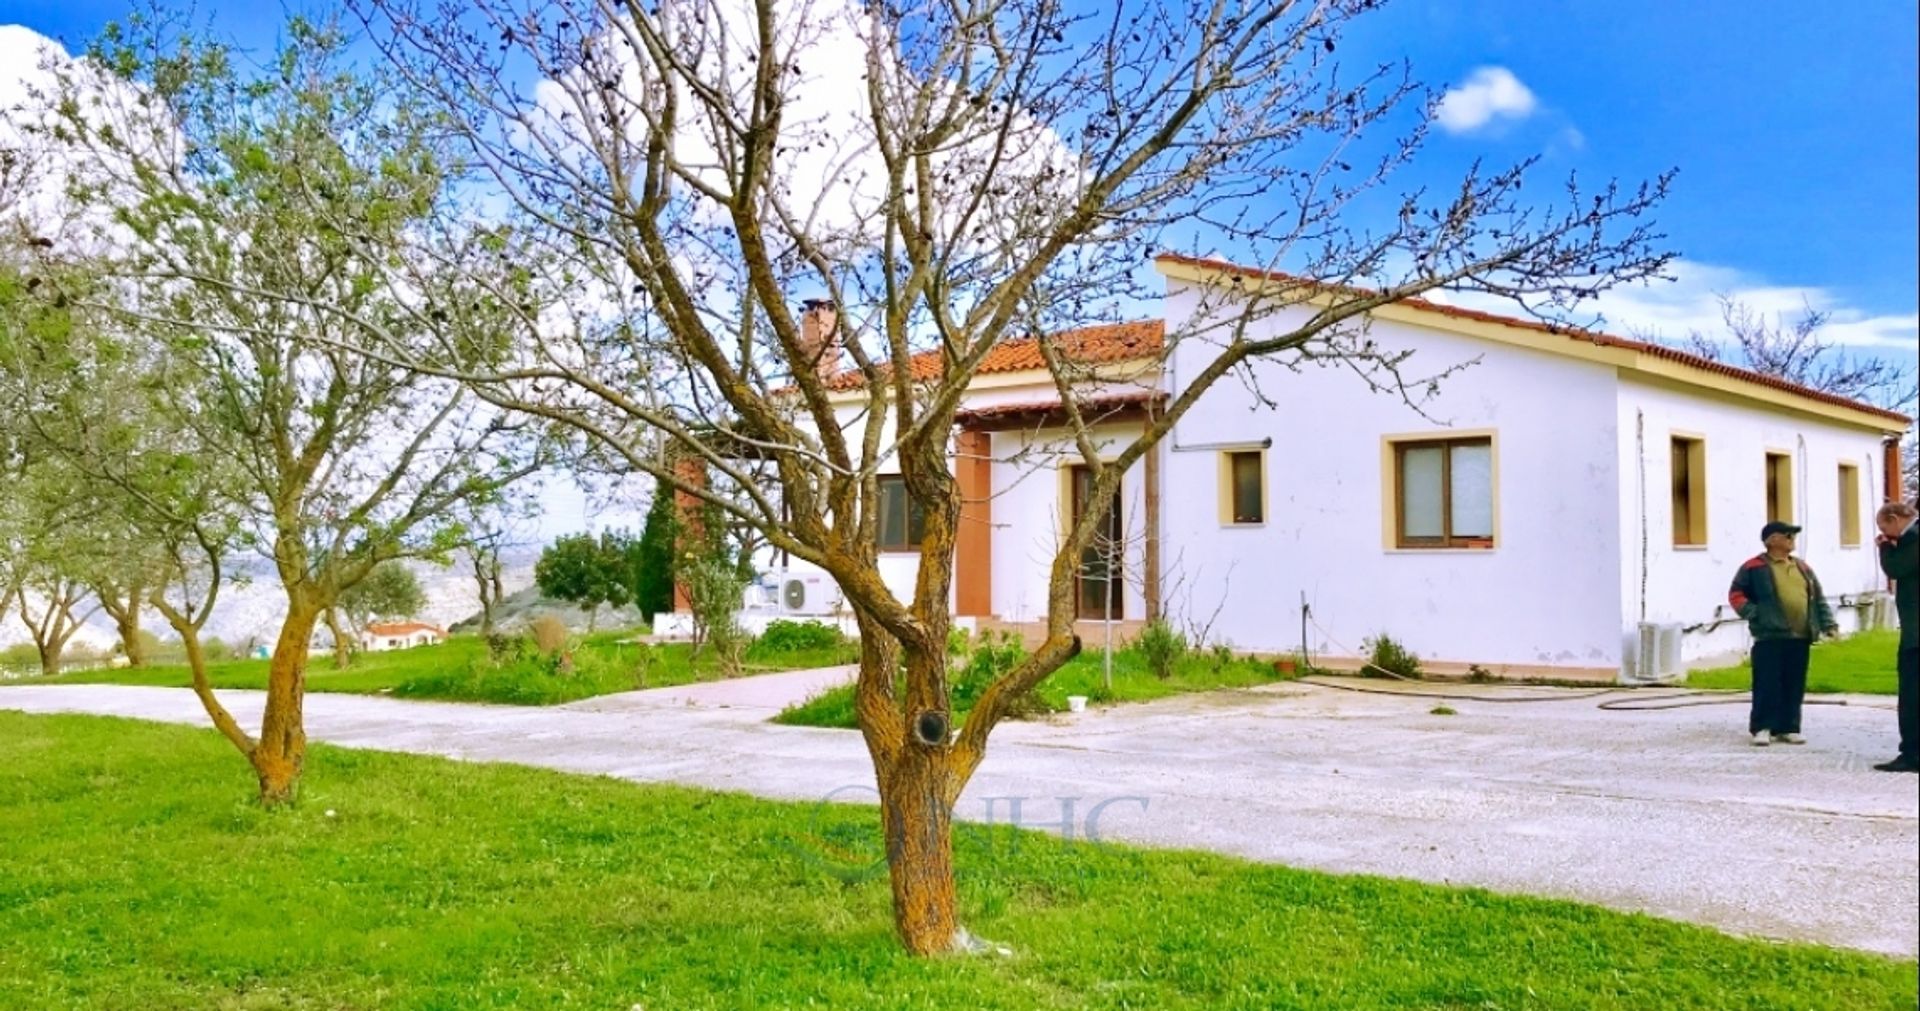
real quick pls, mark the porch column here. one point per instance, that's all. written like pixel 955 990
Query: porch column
pixel 973 541
pixel 1151 562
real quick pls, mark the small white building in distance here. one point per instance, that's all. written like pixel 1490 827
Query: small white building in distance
pixel 379 637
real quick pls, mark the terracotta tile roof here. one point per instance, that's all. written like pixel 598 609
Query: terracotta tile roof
pixel 1571 333
pixel 1093 345
pixel 404 628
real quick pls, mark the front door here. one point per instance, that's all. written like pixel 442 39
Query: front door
pixel 1100 586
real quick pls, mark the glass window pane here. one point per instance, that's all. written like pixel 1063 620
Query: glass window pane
pixel 916 520
pixel 1473 490
pixel 1420 492
pixel 1247 504
pixel 893 514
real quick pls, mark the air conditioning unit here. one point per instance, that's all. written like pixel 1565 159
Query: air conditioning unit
pixel 1657 657
pixel 807 593
pixel 1884 615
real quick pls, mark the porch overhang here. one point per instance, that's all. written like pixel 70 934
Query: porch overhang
pixel 1099 409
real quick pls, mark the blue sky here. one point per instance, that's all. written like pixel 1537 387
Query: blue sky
pixel 1796 133
pixel 1795 129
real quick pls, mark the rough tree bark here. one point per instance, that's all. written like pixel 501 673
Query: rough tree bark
pixel 342 648
pixel 54 627
pixel 280 753
pixel 122 604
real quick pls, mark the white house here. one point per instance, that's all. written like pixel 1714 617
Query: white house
pixel 380 637
pixel 1570 505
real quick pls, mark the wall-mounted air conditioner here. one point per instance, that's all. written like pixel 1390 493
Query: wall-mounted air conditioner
pixel 1657 656
pixel 1884 615
pixel 807 593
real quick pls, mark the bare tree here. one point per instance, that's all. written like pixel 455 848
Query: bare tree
pixel 1795 349
pixel 935 178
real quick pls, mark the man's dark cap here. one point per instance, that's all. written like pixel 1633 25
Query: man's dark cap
pixel 1777 527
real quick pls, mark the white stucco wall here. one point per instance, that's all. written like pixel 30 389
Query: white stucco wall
pixel 1029 511
pixel 1547 593
pixel 1688 585
pixel 1026 501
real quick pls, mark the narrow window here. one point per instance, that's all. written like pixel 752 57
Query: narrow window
pixel 1689 493
pixel 1849 505
pixel 1243 487
pixel 902 522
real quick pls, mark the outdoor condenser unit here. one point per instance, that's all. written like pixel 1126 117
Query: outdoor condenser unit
pixel 807 593
pixel 1658 655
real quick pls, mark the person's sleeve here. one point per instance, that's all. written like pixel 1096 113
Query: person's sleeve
pixel 1740 594
pixel 1901 559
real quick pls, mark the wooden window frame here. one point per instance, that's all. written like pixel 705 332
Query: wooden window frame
pixel 1227 497
pixel 912 544
pixel 1397 447
pixel 1850 524
pixel 1695 447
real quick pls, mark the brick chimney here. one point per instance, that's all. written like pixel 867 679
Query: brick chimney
pixel 818 340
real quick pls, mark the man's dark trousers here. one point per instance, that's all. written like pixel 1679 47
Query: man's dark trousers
pixel 1779 685
pixel 1909 703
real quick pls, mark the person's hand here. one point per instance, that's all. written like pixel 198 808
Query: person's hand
pixel 1831 631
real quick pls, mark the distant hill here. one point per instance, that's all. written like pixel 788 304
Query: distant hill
pixel 252 606
pixel 523 606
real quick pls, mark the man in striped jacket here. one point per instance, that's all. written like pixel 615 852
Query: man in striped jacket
pixel 1779 596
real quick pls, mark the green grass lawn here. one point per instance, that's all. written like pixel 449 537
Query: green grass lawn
pixel 460 670
pixel 1859 663
pixel 136 874
pixel 1083 675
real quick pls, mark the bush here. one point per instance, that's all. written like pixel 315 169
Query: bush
pixel 714 585
pixel 993 656
pixel 1389 658
pixel 504 647
pixel 1161 647
pixel 216 648
pixel 550 638
pixel 783 636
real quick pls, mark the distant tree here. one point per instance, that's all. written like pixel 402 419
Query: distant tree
pixel 585 571
pixel 1795 349
pixel 391 592
pixel 655 553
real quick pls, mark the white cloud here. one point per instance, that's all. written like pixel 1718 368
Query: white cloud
pixel 1691 303
pixel 1489 93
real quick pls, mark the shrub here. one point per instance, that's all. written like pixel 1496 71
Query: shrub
pixel 216 648
pixel 714 585
pixel 550 638
pixel 1161 647
pixel 783 636
pixel 503 647
pixel 993 656
pixel 1389 658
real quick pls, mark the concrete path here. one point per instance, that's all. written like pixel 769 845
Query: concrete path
pixel 1667 812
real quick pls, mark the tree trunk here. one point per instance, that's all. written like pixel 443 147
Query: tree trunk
pixel 127 622
pixel 282 748
pixel 50 658
pixel 342 650
pixel 918 821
